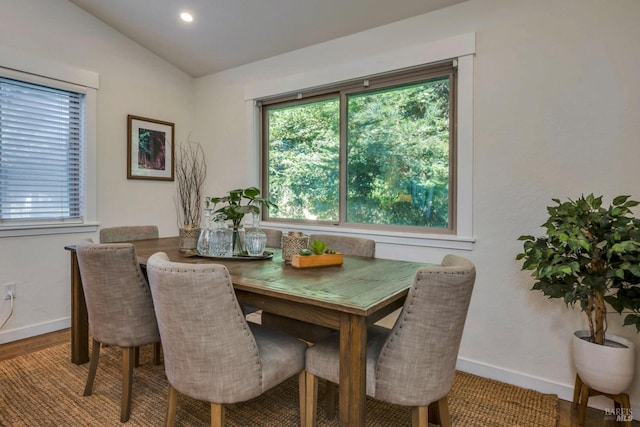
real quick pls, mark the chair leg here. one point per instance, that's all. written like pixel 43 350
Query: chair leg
pixel 217 415
pixel 128 356
pixel 330 399
pixel 311 400
pixel 420 416
pixel 172 403
pixel 438 412
pixel 302 396
pixel 93 367
pixel 157 353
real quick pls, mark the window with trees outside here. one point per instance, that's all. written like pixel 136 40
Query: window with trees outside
pixel 376 153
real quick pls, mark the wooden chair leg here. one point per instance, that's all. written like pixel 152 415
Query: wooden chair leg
pixel 330 399
pixel 217 415
pixel 157 353
pixel 420 416
pixel 93 367
pixel 442 406
pixel 302 396
pixel 438 412
pixel 172 403
pixel 311 400
pixel 128 356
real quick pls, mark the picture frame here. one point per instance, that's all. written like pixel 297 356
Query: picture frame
pixel 150 149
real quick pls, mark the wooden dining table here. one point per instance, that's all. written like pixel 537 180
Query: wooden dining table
pixel 346 298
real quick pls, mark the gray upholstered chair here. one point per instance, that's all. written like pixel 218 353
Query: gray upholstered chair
pixel 128 233
pixel 414 363
pixel 211 353
pixel 274 237
pixel 119 307
pixel 353 246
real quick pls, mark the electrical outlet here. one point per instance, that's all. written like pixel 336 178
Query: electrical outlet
pixel 10 289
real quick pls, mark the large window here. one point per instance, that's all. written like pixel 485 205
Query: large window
pixel 375 153
pixel 41 153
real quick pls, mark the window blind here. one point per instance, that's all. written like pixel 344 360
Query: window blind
pixel 41 144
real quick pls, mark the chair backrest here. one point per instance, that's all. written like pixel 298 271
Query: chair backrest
pixel 274 237
pixel 417 363
pixel 128 233
pixel 119 304
pixel 209 351
pixel 353 246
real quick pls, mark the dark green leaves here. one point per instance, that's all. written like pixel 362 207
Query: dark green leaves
pixel 632 319
pixel 588 250
pixel 234 209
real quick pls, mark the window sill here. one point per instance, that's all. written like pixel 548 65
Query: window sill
pixel 44 229
pixel 389 237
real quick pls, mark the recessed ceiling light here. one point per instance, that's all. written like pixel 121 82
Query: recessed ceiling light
pixel 186 17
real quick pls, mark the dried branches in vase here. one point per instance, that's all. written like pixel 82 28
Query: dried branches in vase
pixel 191 170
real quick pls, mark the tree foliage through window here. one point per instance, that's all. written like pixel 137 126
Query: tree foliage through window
pixel 396 143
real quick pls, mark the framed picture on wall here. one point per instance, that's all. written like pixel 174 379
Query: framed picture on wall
pixel 150 149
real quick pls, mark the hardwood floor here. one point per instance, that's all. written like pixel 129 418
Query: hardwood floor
pixel 567 416
pixel 29 345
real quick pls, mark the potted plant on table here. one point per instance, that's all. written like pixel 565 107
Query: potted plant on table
pixel 319 254
pixel 234 210
pixel 590 256
pixel 191 171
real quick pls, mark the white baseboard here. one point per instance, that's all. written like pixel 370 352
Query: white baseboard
pixel 34 330
pixel 564 391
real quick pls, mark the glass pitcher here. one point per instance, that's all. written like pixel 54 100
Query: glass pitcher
pixel 220 245
pixel 206 234
pixel 255 239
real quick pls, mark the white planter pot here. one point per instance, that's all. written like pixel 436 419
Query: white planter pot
pixel 608 369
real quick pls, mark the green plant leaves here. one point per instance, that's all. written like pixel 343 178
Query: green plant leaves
pixel 318 247
pixel 234 209
pixel 588 250
pixel 632 319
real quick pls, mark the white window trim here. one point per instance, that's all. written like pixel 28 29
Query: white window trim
pixel 39 70
pixel 462 48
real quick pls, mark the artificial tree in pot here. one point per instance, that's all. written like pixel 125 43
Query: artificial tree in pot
pixel 590 256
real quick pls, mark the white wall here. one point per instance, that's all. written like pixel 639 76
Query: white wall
pixel 556 105
pixel 132 81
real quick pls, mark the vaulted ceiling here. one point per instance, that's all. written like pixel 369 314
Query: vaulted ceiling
pixel 228 33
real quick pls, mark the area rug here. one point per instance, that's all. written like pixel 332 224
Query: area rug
pixel 45 389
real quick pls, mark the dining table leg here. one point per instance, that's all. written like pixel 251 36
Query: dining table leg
pixel 79 316
pixel 353 352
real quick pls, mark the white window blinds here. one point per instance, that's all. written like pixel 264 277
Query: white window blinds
pixel 41 144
